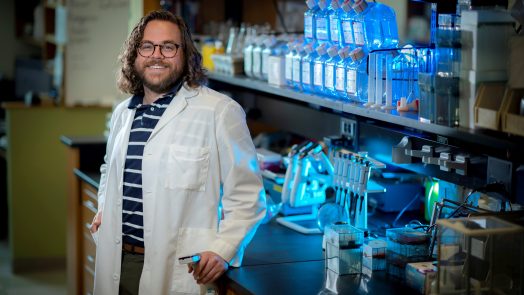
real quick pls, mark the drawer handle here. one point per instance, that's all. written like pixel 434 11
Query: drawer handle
pixel 88 226
pixel 90 205
pixel 91 194
pixel 91 259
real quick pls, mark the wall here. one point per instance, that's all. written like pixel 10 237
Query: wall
pixel 37 180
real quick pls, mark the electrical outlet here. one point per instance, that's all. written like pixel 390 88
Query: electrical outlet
pixel 348 127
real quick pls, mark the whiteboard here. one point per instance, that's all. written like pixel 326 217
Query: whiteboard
pixel 96 33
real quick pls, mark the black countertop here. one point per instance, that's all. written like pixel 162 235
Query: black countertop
pixel 282 261
pixel 79 141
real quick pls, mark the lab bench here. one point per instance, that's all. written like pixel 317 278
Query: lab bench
pixel 277 261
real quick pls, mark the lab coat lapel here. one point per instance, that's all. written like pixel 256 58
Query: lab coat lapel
pixel 178 104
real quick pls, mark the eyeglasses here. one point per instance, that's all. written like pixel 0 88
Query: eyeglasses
pixel 168 50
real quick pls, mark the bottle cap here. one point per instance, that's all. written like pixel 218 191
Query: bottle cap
pixel 322 4
pixel 343 52
pixel 347 5
pixel 335 5
pixel 360 6
pixel 311 4
pixel 357 54
pixel 332 51
pixel 321 49
pixel 308 48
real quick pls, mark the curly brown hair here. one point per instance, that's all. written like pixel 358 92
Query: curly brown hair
pixel 128 79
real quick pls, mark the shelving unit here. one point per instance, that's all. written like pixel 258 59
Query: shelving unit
pixel 496 140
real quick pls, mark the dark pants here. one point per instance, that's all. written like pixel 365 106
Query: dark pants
pixel 130 274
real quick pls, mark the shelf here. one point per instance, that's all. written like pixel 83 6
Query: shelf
pixel 408 119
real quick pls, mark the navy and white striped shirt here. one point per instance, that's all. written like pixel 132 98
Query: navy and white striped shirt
pixel 145 120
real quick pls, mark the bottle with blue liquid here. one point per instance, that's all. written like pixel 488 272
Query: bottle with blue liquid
pixel 356 76
pixel 322 22
pixel 307 68
pixel 309 21
pixel 340 73
pixel 329 71
pixel 318 68
pixel 347 16
pixel 374 25
pixel 271 45
pixel 334 13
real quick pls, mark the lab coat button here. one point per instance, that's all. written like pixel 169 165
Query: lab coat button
pixel 117 240
pixel 152 108
pixel 118 202
pixel 115 277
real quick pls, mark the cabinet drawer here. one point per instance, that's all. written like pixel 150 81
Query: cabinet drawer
pixel 89 192
pixel 88 213
pixel 89 251
pixel 89 281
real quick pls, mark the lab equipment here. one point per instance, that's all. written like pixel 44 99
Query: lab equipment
pixel 405 245
pixel 356 76
pixel 346 25
pixel 310 15
pixel 334 13
pixel 374 254
pixel 195 258
pixel 344 249
pixel 308 175
pixel 319 69
pixel 419 275
pixel 307 68
pixel 374 25
pixel 473 256
pixel 329 71
pixel 322 30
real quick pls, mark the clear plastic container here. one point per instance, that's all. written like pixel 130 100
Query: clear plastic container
pixel 374 26
pixel 356 76
pixel 374 254
pixel 347 17
pixel 322 22
pixel 271 45
pixel 257 56
pixel 329 71
pixel 340 73
pixel 334 14
pixel 408 242
pixel 318 68
pixel 309 21
pixel 288 72
pixel 344 248
pixel 248 52
pixel 297 66
pixel 480 255
pixel 307 68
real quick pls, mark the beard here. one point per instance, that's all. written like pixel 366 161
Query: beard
pixel 163 85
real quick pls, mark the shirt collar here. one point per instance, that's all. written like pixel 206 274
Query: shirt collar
pixel 137 99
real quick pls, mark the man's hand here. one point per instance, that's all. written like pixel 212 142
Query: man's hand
pixel 210 267
pixel 97 220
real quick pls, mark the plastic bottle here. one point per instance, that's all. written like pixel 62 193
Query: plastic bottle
pixel 288 72
pixel 322 22
pixel 257 56
pixel 340 73
pixel 307 68
pixel 270 44
pixel 374 26
pixel 309 21
pixel 318 68
pixel 297 66
pixel 346 25
pixel 248 52
pixel 334 14
pixel 329 71
pixel 356 76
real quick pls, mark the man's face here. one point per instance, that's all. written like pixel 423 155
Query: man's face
pixel 157 72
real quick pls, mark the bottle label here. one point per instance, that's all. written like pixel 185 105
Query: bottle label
pixel 351 82
pixel 328 83
pixel 322 30
pixel 358 32
pixel 296 70
pixel 306 73
pixel 308 26
pixel 317 74
pixel 333 27
pixel 347 32
pixel 289 68
pixel 339 78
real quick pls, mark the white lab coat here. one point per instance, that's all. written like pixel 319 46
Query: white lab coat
pixel 200 142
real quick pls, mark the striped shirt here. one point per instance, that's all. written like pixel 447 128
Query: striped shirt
pixel 145 120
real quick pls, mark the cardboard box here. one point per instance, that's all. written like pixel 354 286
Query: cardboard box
pixel 488 106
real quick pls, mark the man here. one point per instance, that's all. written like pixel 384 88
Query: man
pixel 173 147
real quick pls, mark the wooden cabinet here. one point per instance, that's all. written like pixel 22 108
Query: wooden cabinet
pixel 88 207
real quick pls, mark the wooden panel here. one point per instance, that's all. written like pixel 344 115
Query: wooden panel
pixel 74 267
pixel 151 5
pixel 89 251
pixel 89 281
pixel 259 12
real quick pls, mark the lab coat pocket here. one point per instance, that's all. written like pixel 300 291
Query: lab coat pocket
pixel 190 241
pixel 187 167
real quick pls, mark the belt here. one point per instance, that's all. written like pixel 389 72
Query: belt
pixel 133 249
